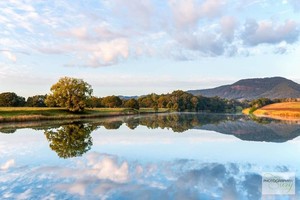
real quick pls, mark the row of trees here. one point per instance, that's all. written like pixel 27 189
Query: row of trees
pixel 75 94
pixel 10 99
pixel 177 101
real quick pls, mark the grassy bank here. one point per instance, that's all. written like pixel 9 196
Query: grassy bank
pixel 14 114
pixel 246 111
pixel 284 111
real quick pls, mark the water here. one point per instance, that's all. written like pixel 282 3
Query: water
pixel 165 156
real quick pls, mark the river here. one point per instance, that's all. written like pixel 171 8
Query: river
pixel 163 156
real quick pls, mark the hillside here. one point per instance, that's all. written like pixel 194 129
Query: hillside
pixel 275 87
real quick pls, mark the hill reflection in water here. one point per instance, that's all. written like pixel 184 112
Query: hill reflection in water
pixel 242 127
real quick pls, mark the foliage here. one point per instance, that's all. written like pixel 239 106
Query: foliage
pixel 94 102
pixel 182 101
pixel 8 130
pixel 132 103
pixel 36 101
pixel 111 101
pixel 71 93
pixel 112 124
pixel 10 99
pixel 70 140
pixel 259 103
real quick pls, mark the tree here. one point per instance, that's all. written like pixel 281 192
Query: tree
pixel 70 140
pixel 10 99
pixel 112 124
pixel 71 93
pixel 258 103
pixel 112 101
pixel 94 102
pixel 36 101
pixel 132 103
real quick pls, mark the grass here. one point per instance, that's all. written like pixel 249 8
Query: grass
pixel 246 111
pixel 8 114
pixel 11 112
pixel 286 110
pixel 151 110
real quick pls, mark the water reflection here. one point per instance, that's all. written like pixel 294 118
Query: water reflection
pixel 104 176
pixel 242 127
pixel 141 163
pixel 70 140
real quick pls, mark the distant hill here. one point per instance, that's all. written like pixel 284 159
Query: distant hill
pixel 275 87
pixel 128 97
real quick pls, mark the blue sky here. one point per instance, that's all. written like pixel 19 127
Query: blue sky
pixel 138 47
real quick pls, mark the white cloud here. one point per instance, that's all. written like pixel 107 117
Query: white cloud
pixel 105 33
pixel 187 13
pixel 8 164
pixel 256 33
pixel 9 55
pixel 138 13
pixel 107 168
pixel 212 8
pixel 96 168
pixel 109 53
pixel 205 42
pixel 24 195
pixel 20 14
pixel 228 26
pixel 75 188
pixel 80 33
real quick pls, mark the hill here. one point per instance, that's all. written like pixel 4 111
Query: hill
pixel 275 87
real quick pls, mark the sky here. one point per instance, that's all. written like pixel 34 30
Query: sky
pixel 139 47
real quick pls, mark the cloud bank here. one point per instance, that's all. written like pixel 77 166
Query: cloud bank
pixel 104 33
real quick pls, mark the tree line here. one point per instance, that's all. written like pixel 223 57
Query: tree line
pixel 75 95
pixel 11 99
pixel 177 101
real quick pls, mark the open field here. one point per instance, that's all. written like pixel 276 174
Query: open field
pixel 246 111
pixel 285 111
pixel 8 114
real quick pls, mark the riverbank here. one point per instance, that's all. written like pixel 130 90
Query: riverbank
pixel 281 111
pixel 20 114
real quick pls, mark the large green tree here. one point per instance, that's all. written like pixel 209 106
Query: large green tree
pixel 11 99
pixel 71 93
pixel 112 101
pixel 132 103
pixel 71 140
pixel 36 101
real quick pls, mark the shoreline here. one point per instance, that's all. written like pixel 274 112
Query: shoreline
pixel 286 111
pixel 26 114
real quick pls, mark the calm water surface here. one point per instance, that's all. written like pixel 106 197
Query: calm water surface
pixel 165 156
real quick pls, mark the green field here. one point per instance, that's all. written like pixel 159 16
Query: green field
pixel 30 113
pixel 286 110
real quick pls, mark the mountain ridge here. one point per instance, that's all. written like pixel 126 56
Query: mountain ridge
pixel 253 88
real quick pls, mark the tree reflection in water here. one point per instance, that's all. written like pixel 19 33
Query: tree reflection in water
pixel 70 140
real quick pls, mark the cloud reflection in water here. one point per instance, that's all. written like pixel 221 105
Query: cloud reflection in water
pixel 103 176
